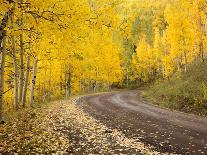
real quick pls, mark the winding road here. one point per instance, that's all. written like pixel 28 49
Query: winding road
pixel 166 130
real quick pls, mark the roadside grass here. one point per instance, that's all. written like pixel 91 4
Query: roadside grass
pixel 186 92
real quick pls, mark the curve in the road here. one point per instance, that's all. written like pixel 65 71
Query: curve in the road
pixel 165 129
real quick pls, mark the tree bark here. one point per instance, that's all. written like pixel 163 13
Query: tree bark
pixel 109 86
pixel 49 90
pixel 81 87
pixel 68 82
pixel 15 67
pixel 3 53
pixel 43 92
pixel 201 44
pixel 4 23
pixel 49 83
pixel 127 78
pixel 185 61
pixel 61 86
pixel 26 81
pixel 89 86
pixel 202 51
pixel 33 84
pixel 21 75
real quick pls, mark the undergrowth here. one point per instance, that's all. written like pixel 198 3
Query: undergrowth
pixel 183 91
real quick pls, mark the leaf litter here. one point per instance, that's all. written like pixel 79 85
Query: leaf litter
pixel 63 128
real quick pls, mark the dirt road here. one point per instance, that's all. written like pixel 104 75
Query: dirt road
pixel 166 130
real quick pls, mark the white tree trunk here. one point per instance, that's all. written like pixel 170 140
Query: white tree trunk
pixel 15 67
pixel 26 81
pixel 68 82
pixel 4 22
pixel 185 61
pixel 2 64
pixel 81 88
pixel 21 75
pixel 127 78
pixel 34 76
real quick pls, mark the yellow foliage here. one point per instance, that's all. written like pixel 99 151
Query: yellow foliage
pixel 87 37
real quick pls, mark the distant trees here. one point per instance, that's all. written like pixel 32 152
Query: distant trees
pixel 179 37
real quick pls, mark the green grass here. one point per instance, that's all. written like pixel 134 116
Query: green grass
pixel 183 91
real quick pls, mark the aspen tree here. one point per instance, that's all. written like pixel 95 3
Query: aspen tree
pixel 13 48
pixel 34 76
pixel 21 74
pixel 72 32
pixel 26 81
pixel 2 65
pixel 5 19
pixel 68 82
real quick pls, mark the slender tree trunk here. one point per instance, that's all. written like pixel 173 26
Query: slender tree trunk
pixel 95 86
pixel 49 90
pixel 4 23
pixel 3 53
pixel 68 82
pixel 127 78
pixel 15 67
pixel 34 76
pixel 66 85
pixel 21 75
pixel 65 81
pixel 43 92
pixel 178 64
pixel 201 45
pixel 185 61
pixel 49 83
pixel 95 83
pixel 109 86
pixel 202 51
pixel 163 70
pixel 89 86
pixel 39 92
pixel 61 85
pixel 26 81
pixel 81 87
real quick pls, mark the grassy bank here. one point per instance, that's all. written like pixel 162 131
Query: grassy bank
pixel 183 91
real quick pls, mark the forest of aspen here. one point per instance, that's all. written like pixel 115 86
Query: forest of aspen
pixel 53 51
